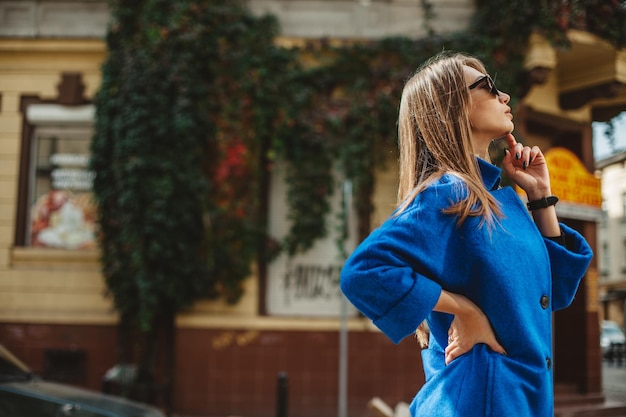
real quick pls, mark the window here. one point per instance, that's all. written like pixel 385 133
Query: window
pixel 61 211
pixel 605 215
pixel 624 256
pixel 56 208
pixel 606 259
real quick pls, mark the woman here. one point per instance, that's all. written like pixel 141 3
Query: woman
pixel 465 255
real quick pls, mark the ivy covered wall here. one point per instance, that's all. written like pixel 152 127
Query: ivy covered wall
pixel 197 101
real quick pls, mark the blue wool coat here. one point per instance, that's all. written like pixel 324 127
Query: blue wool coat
pixel 516 276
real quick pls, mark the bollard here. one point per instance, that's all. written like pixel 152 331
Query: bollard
pixel 281 397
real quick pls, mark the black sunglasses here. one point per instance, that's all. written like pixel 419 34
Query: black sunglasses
pixel 487 83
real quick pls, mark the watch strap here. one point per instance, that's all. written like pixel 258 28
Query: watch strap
pixel 542 203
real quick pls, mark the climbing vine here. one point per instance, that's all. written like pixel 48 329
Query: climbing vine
pixel 198 103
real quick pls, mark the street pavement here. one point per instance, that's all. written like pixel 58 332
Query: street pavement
pixel 614 380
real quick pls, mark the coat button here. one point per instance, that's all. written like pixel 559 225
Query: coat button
pixel 544 301
pixel 548 363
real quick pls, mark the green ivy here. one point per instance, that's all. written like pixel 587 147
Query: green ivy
pixel 176 150
pixel 198 102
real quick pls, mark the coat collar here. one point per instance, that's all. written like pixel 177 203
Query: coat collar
pixel 490 174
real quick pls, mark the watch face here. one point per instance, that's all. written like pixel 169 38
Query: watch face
pixel 551 200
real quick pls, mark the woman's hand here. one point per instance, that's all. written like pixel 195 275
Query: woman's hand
pixel 469 327
pixel 527 167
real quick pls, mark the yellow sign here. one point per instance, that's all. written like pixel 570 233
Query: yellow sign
pixel 570 180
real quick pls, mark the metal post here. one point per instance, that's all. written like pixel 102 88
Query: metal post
pixel 342 408
pixel 281 395
pixel 343 360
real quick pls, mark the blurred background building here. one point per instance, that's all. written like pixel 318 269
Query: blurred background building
pixel 53 309
pixel 612 237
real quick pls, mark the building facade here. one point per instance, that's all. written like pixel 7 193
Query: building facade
pixel 612 238
pixel 54 313
pixel 53 301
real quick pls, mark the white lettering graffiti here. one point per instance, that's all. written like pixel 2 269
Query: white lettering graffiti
pixel 312 282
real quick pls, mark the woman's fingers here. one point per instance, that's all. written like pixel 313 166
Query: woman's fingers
pixel 510 139
pixel 454 350
pixel 497 347
pixel 465 332
pixel 534 152
pixel 520 156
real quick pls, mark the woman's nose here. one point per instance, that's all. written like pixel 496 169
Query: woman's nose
pixel 504 96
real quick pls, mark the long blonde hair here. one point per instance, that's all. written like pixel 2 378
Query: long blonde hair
pixel 435 137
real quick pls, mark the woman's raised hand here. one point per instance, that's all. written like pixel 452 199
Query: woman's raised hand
pixel 527 167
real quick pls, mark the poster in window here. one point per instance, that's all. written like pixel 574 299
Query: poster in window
pixel 63 219
pixel 63 213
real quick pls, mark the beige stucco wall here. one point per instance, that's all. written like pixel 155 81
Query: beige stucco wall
pixel 344 19
pixel 39 285
pixel 570 70
pixel 48 285
pixel 41 39
pixel 35 284
pixel 364 18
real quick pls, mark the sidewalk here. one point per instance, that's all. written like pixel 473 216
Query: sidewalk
pixel 612 402
pixel 614 381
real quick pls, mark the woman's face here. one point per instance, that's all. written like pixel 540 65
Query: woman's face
pixel 490 116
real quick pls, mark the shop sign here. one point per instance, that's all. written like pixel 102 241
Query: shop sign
pixel 579 191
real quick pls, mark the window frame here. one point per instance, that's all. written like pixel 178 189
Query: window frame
pixel 41 115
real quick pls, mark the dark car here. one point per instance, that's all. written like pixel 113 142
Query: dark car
pixel 23 394
pixel 612 340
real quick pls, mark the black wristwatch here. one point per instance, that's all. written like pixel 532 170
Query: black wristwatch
pixel 542 203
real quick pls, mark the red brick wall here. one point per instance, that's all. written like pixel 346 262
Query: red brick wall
pixel 29 343
pixel 236 372
pixel 232 372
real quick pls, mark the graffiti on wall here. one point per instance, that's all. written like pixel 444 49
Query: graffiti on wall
pixel 311 282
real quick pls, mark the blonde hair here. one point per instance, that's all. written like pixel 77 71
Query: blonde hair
pixel 435 137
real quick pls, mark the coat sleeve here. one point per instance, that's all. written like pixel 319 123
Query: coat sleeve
pixel 568 265
pixel 386 279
